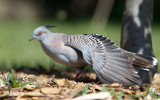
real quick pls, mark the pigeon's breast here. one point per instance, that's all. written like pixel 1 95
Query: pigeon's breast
pixel 64 55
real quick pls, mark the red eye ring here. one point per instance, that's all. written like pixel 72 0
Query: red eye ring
pixel 40 33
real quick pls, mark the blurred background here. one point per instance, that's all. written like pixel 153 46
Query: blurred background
pixel 19 18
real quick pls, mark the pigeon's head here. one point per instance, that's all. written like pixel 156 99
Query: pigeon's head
pixel 40 32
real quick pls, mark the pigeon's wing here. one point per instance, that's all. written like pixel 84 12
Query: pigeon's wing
pixel 109 63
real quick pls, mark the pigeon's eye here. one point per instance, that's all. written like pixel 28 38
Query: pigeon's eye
pixel 40 33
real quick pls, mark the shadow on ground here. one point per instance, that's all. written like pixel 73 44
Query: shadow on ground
pixel 87 76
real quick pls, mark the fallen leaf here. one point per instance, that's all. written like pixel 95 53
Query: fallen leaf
pixel 35 98
pixel 49 90
pixel 97 87
pixel 116 85
pixel 95 96
pixel 20 97
pixel 4 94
pixel 53 77
pixel 30 87
pixel 93 76
pixel 60 82
pixel 78 88
pixel 127 91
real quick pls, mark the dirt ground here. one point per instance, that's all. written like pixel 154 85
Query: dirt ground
pixel 47 87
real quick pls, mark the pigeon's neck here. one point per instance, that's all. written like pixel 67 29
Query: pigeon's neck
pixel 52 40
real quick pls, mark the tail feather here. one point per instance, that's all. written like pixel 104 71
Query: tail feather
pixel 141 60
pixel 145 66
pixel 145 60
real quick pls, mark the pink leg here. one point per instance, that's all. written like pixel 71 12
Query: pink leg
pixel 77 75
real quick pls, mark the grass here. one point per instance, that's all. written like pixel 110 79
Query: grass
pixel 17 51
pixel 11 81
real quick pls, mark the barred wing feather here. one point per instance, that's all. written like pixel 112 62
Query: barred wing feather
pixel 108 62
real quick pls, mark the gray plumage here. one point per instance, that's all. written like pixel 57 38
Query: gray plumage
pixel 110 63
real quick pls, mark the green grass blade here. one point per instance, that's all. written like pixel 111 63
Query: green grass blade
pixel 36 84
pixel 119 96
pixel 25 83
pixel 104 89
pixel 112 92
pixel 85 90
pixel 4 81
pixel 151 93
pixel 8 76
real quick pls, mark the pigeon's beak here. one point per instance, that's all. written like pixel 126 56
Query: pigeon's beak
pixel 31 38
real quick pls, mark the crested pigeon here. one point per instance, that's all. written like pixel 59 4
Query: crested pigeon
pixel 111 63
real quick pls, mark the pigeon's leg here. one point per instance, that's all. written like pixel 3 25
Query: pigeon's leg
pixel 78 72
pixel 76 77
